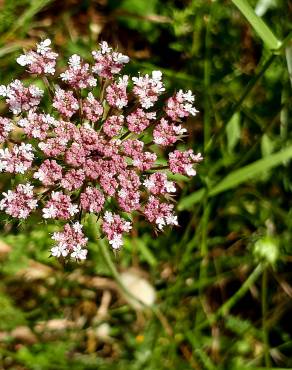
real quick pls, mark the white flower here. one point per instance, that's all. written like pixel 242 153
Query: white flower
pixel 160 223
pixel 116 242
pixel 3 165
pixel 121 103
pixel 156 75
pixel 74 61
pixel 104 47
pixel 55 195
pixel 77 227
pixel 59 250
pixel 50 120
pixel 197 157
pixel 3 90
pixel 79 253
pixel 9 196
pixel 127 226
pixel 122 193
pixel 190 171
pixel 159 140
pixel 171 220
pixel 49 212
pixel 151 115
pixel 40 175
pixel 189 108
pixel 23 213
pixel 108 217
pixel 90 98
pixel 120 58
pixel 49 68
pixel 149 184
pixel 27 188
pixel 36 92
pixel 179 130
pixel 23 60
pixel 188 96
pixel 72 209
pixel 169 187
pixel 42 145
pixel 20 168
pixel 23 122
pixel 43 47
pixel 32 204
pixel 123 81
pixel 65 76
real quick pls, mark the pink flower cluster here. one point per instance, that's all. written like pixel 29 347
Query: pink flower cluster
pixel 19 202
pixel 70 242
pixel 88 154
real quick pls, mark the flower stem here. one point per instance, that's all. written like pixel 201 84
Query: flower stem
pixel 264 314
pixel 225 308
pixel 104 250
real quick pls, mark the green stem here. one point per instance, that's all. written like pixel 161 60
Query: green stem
pixel 264 314
pixel 251 85
pixel 226 307
pixel 114 272
pixel 207 80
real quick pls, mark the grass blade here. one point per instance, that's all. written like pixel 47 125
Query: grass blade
pixel 258 24
pixel 237 177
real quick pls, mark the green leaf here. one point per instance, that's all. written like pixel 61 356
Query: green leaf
pixel 267 145
pixel 258 24
pixel 146 252
pixel 288 52
pixel 233 131
pixel 237 177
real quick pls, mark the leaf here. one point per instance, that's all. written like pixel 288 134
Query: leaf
pixel 258 24
pixel 233 131
pixel 188 201
pixel 237 177
pixel 288 52
pixel 146 252
pixel 267 145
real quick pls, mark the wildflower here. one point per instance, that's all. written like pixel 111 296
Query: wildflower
pixel 49 172
pixel 116 93
pixel 70 241
pixel 20 98
pixel 65 102
pixel 20 202
pixel 41 61
pixel 92 200
pixel 108 62
pixel 59 207
pixel 92 108
pixel 166 134
pixel 181 105
pixel 113 125
pixel 37 125
pixel 159 213
pixel 147 88
pixel 157 183
pixel 95 152
pixel 5 128
pixel 139 120
pixel 183 162
pixel 18 159
pixel 78 75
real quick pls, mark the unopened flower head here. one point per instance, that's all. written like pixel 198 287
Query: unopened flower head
pixel 95 150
